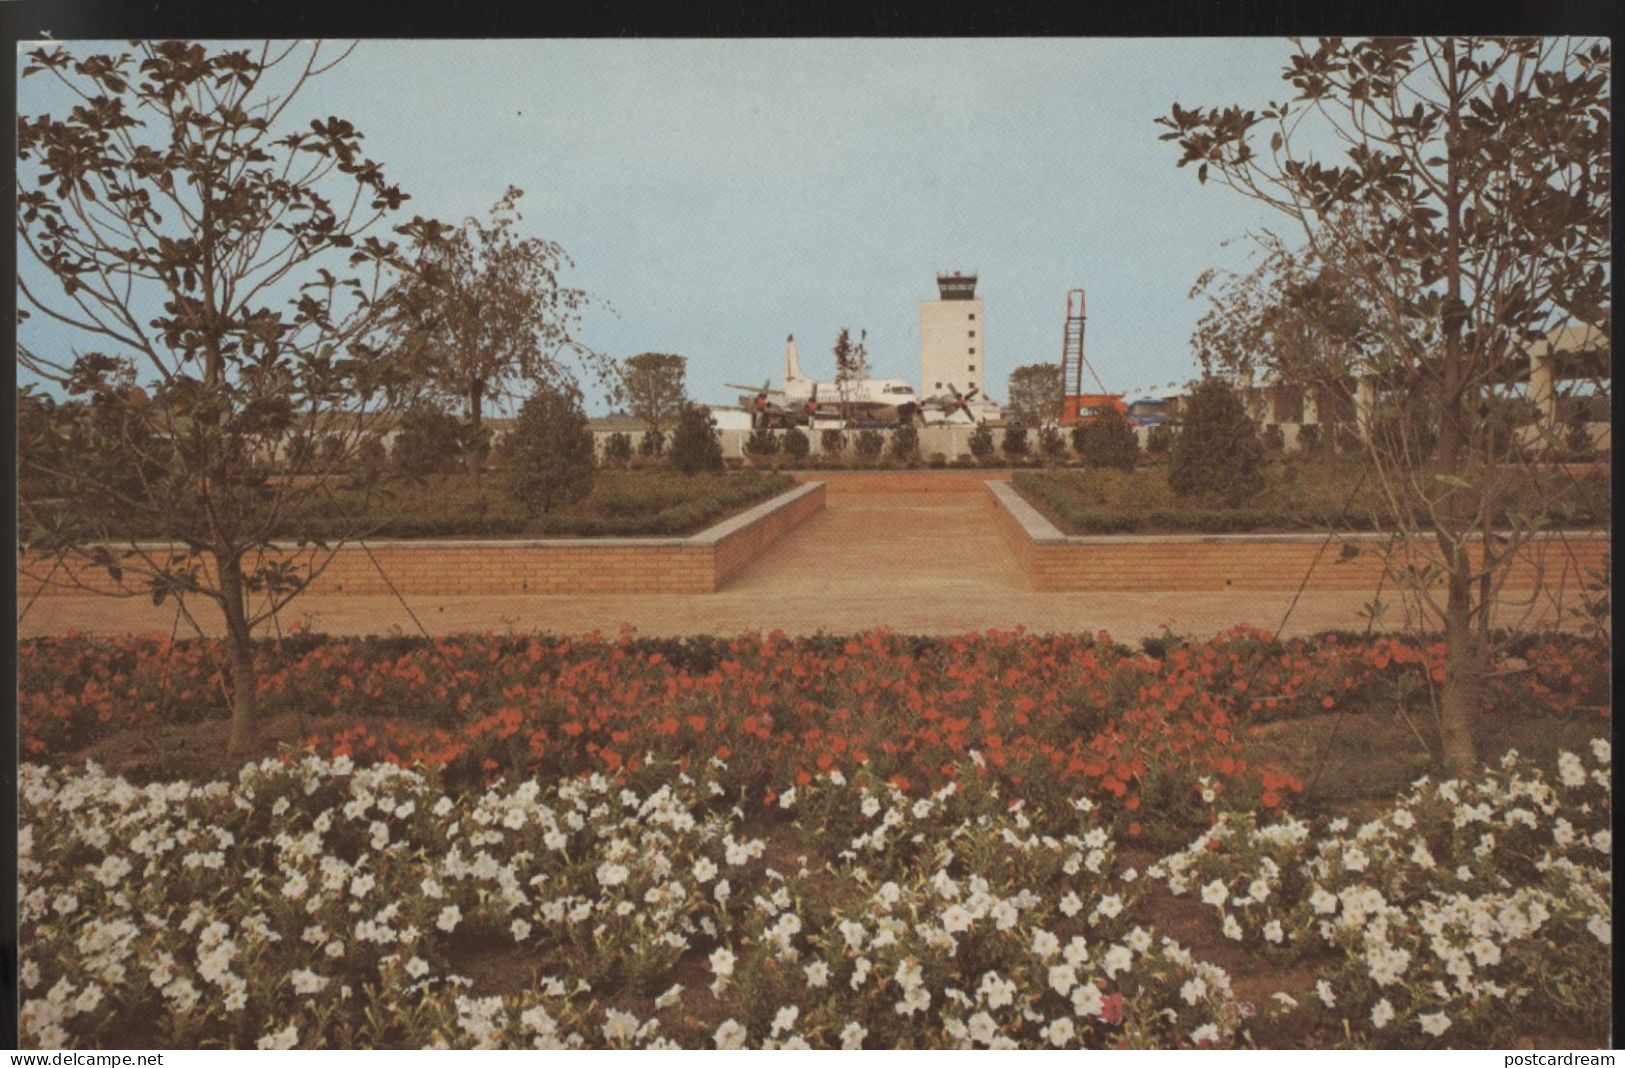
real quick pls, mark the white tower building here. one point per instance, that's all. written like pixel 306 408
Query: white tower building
pixel 952 340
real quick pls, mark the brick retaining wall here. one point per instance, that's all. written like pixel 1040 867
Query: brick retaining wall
pixel 702 563
pixel 913 481
pixel 1249 562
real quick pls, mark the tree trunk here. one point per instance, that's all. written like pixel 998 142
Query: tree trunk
pixel 476 400
pixel 1464 655
pixel 240 644
pixel 1460 700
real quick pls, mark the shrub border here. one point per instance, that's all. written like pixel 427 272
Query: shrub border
pixel 700 563
pixel 1195 562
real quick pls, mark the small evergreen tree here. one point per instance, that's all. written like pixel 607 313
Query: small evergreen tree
pixel 1577 434
pixel 796 444
pixel 1015 441
pixel 1217 451
pixel 427 442
pixel 1051 441
pixel 762 444
pixel 870 444
pixel 618 449
pixel 981 443
pixel 832 443
pixel 695 446
pixel 1159 440
pixel 551 458
pixel 1107 441
pixel 652 444
pixel 905 443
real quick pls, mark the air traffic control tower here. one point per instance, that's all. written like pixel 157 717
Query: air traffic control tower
pixel 952 342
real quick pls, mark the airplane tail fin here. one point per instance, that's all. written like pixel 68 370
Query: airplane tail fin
pixel 792 364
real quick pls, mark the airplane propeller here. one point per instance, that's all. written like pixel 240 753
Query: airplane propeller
pixel 962 402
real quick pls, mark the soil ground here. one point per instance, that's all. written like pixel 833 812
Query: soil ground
pixel 919 563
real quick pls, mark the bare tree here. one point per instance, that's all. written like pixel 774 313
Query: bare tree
pixel 224 264
pixel 1466 221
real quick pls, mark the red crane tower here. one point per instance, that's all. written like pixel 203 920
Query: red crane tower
pixel 1075 403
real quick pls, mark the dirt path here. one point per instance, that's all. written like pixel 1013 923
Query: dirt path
pixel 926 563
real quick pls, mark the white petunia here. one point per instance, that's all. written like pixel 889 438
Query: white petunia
pixel 283 1039
pixel 1060 1031
pixel 785 1019
pixel 449 918
pixel 722 962
pixel 1382 1014
pixel 1434 1023
pixel 307 982
pixel 852 1036
pixel 1215 893
pixel 1118 959
pixel 730 1035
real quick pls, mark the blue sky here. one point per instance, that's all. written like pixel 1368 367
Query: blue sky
pixel 716 196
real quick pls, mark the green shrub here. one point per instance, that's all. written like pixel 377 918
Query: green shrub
pixel 652 444
pixel 551 459
pixel 1159 440
pixel 1218 451
pixel 1309 438
pixel 1015 440
pixel 870 444
pixel 695 445
pixel 1274 438
pixel 762 443
pixel 1107 440
pixel 832 443
pixel 981 442
pixel 618 449
pixel 427 442
pixel 796 444
pixel 905 442
pixel 938 459
pixel 370 454
pixel 1051 442
pixel 1577 436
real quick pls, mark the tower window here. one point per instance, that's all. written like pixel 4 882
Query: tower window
pixel 972 350
pixel 973 333
pixel 972 315
pixel 971 368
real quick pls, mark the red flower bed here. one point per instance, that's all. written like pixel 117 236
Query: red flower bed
pixel 1051 715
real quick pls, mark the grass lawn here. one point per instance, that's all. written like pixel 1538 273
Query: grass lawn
pixel 1297 495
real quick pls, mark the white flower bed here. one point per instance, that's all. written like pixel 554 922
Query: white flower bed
pixel 319 904
pixel 1470 913
pixel 316 903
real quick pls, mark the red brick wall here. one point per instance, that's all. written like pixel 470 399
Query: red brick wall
pixel 487 568
pixel 1128 562
pixel 736 551
pixel 916 481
